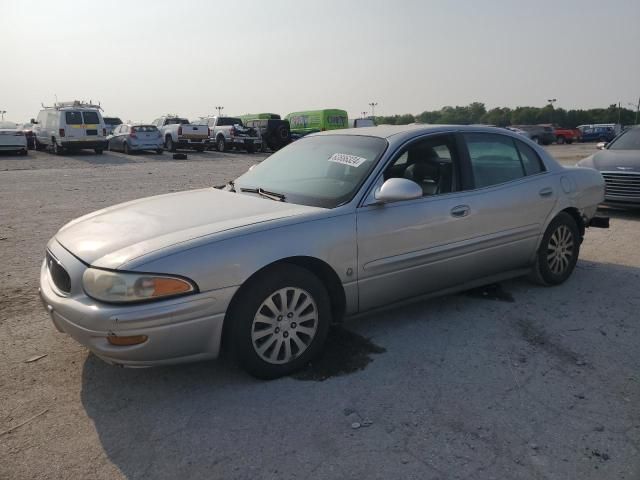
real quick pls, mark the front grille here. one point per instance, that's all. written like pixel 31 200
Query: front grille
pixel 625 185
pixel 92 132
pixel 58 274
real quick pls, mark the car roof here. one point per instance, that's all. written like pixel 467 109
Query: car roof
pixel 388 131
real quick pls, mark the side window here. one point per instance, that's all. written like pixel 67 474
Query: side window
pixel 494 159
pixel 530 159
pixel 432 163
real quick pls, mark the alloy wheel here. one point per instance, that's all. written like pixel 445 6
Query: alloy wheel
pixel 284 325
pixel 560 250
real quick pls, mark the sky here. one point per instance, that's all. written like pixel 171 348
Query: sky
pixel 142 59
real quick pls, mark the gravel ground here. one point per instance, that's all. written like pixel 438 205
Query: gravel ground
pixel 510 382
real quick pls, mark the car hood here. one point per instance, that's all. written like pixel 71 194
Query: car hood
pixel 111 237
pixel 629 160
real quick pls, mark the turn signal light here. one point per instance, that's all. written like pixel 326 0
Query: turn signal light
pixel 126 340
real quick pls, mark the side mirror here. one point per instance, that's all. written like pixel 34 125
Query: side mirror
pixel 601 145
pixel 397 189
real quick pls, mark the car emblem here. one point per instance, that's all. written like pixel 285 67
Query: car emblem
pixel 625 168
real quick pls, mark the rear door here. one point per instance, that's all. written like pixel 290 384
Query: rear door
pixel 74 125
pixel 92 125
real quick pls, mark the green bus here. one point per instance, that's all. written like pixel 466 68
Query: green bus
pixel 317 120
pixel 258 116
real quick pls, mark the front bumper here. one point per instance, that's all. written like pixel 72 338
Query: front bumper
pixel 179 330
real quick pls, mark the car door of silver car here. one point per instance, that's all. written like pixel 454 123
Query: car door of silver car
pixel 447 238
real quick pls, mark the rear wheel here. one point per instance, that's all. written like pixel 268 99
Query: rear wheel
pixel 280 321
pixel 221 144
pixel 98 151
pixel 560 140
pixel 558 252
pixel 125 148
pixel 169 144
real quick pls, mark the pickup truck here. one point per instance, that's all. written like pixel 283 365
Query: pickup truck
pixel 226 132
pixel 567 135
pixel 177 133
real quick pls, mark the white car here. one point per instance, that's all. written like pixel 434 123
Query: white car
pixel 70 126
pixel 12 138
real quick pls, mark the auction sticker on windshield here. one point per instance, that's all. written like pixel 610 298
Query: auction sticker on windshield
pixel 346 159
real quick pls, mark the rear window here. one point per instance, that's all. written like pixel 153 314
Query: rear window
pixel 174 121
pixel 144 128
pixel 91 117
pixel 229 121
pixel 73 118
pixel 112 121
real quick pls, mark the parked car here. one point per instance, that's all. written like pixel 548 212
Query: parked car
pixel 226 132
pixel 12 138
pixel 538 133
pixel 178 132
pixel 303 123
pixel 361 122
pixel 597 133
pixel 275 133
pixel 335 224
pixel 134 137
pixel 111 123
pixel 566 135
pixel 619 164
pixel 70 126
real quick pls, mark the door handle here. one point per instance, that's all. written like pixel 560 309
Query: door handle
pixel 545 192
pixel 460 211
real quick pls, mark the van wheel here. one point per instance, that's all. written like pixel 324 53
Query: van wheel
pixel 558 252
pixel 221 145
pixel 280 321
pixel 169 144
pixel 57 149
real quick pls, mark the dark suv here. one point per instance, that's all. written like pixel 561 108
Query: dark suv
pixel 538 133
pixel 275 133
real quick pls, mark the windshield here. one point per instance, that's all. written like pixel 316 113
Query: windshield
pixel 628 140
pixel 323 171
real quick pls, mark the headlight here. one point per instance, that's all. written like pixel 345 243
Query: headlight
pixel 118 287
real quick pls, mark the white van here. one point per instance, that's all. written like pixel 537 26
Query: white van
pixel 70 126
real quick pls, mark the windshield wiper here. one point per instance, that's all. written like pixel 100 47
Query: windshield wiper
pixel 278 197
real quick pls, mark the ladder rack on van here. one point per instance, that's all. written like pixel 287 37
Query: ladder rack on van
pixel 75 104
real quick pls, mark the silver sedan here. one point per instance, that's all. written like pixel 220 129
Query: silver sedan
pixel 335 224
pixel 132 137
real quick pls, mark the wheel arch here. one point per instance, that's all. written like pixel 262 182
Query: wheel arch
pixel 577 216
pixel 319 268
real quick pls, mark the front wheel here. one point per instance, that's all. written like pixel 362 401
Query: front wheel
pixel 57 149
pixel 280 321
pixel 558 252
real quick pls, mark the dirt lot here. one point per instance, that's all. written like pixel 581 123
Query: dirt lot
pixel 511 382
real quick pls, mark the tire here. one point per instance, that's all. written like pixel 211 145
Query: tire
pixel 159 151
pixel 169 144
pixel 562 236
pixel 560 140
pixel 56 149
pixel 254 325
pixel 251 148
pixel 125 149
pixel 98 151
pixel 221 144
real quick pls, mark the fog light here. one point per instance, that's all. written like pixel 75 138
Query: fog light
pixel 126 341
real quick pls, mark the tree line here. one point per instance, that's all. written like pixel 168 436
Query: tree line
pixel 504 116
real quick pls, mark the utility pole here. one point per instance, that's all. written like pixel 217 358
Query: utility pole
pixel 2 112
pixel 373 106
pixel 219 108
pixel 551 102
pixel 364 114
